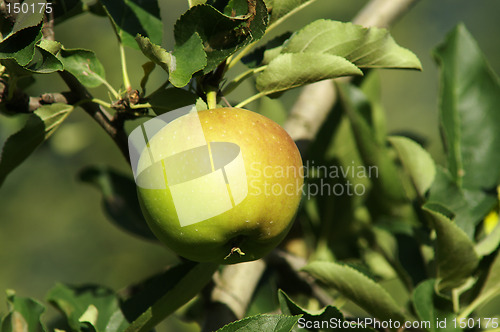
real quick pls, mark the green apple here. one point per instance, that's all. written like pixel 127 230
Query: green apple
pixel 224 185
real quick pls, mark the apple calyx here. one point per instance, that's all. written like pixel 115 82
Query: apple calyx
pixel 233 250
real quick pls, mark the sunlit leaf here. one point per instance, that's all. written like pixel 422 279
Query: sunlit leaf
pixel 84 65
pixel 39 126
pixel 365 47
pixel 416 161
pixel 288 71
pixel 23 315
pixel 92 305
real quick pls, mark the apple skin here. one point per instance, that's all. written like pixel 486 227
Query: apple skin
pixel 264 217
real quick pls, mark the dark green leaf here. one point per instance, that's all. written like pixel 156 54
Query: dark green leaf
pixel 275 323
pixel 171 99
pixel 470 95
pixel 132 17
pixel 222 35
pixel 140 297
pixel 429 308
pixel 456 258
pixel 66 9
pixel 83 306
pixel 20 46
pixel 491 287
pixel 358 288
pixel 23 315
pixel 281 9
pixel 147 68
pixel 84 65
pixel 40 125
pixel 329 314
pixel 469 207
pixel 416 161
pixel 119 199
pixel 288 71
pixel 365 47
pixel 178 294
pixel 29 18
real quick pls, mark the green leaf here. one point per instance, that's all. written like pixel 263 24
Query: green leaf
pixel 147 68
pixel 132 17
pixel 23 315
pixel 275 323
pixel 182 63
pixel 119 199
pixel 38 128
pixel 92 305
pixel 281 9
pixel 469 207
pixel 84 65
pixel 365 47
pixel 490 243
pixel 416 161
pixel 328 314
pixel 20 46
pixel 456 258
pixel 358 288
pixel 171 99
pixel 144 294
pixel 387 183
pixel 177 294
pixel 222 35
pixel 470 95
pixel 29 18
pixel 288 71
pixel 429 307
pixel 44 62
pixel 491 288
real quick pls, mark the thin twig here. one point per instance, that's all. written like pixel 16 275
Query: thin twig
pixel 98 113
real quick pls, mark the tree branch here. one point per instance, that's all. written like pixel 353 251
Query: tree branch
pixel 316 100
pixel 114 128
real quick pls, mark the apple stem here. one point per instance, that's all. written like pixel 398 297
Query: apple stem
pixel 212 98
pixel 233 250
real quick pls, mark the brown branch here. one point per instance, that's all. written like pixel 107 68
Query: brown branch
pixel 317 100
pixel 114 129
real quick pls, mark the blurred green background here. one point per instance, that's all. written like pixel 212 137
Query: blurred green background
pixel 52 227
